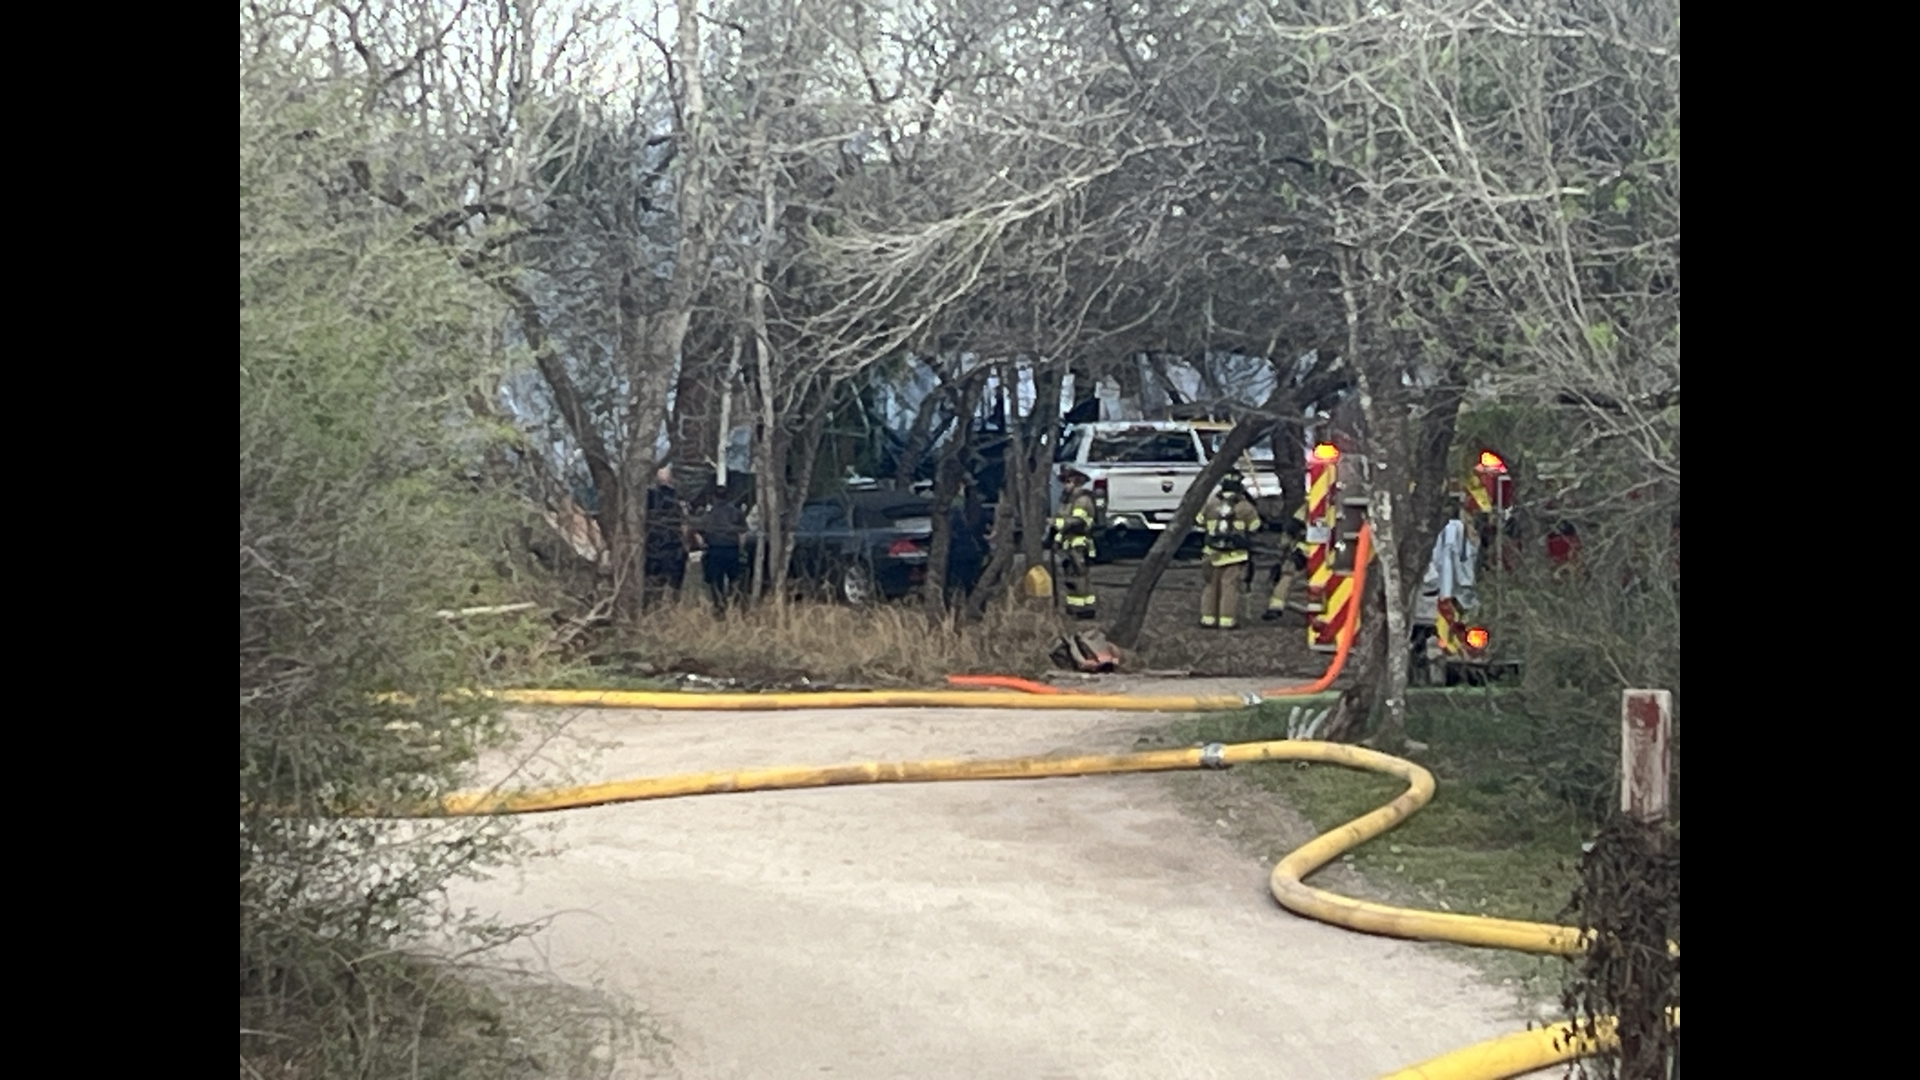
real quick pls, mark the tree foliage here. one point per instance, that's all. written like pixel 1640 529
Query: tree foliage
pixel 362 513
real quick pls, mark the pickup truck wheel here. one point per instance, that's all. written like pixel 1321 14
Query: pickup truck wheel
pixel 856 585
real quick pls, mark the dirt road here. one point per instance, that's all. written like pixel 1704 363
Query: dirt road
pixel 1036 929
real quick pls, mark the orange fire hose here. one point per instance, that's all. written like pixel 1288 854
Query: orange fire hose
pixel 1005 682
pixel 1362 555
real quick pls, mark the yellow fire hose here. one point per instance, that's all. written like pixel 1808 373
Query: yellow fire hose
pixel 1509 1056
pixel 868 699
pixel 1496 1059
pixel 1522 1052
pixel 1285 882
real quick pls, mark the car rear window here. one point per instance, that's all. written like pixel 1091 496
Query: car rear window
pixel 910 516
pixel 1151 446
pixel 818 517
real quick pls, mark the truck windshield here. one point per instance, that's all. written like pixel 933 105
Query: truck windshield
pixel 1151 446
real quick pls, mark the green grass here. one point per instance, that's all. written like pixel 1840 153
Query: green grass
pixel 1493 840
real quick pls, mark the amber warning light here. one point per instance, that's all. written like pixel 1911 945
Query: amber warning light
pixel 1477 638
pixel 1491 460
pixel 1326 452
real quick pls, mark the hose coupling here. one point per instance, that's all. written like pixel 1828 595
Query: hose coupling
pixel 1214 756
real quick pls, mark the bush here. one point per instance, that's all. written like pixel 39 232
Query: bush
pixel 359 518
pixel 1607 620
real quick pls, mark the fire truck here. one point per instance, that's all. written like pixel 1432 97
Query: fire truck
pixel 1451 638
pixel 1459 600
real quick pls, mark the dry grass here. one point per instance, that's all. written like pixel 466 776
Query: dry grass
pixel 882 645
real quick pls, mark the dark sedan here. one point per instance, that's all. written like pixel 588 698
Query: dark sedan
pixel 871 545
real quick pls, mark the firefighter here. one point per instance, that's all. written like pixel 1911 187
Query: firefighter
pixel 1229 523
pixel 1281 543
pixel 1073 538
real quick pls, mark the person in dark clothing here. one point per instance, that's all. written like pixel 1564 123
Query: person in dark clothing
pixel 720 530
pixel 666 550
pixel 966 551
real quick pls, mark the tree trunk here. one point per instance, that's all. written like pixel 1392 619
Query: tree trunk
pixel 1014 476
pixel 920 435
pixel 650 345
pixel 1415 449
pixel 1384 474
pixel 933 591
pixel 1387 464
pixel 724 442
pixel 1408 440
pixel 1132 394
pixel 770 480
pixel 1036 458
pixel 1288 437
pixel 801 484
pixel 573 411
pixel 1353 713
pixel 1002 548
pixel 641 342
pixel 770 561
pixel 1001 551
pixel 692 418
pixel 946 486
pixel 1428 505
pixel 1125 629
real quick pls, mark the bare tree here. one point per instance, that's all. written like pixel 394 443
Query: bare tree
pixel 1450 136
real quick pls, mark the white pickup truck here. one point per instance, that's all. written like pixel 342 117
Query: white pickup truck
pixel 1141 469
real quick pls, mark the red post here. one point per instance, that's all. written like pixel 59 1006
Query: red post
pixel 1646 719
